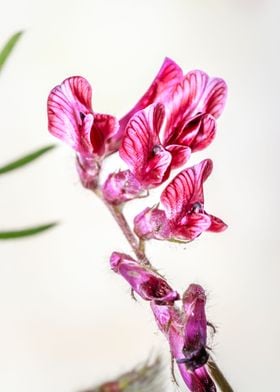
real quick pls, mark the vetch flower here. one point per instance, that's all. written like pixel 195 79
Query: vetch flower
pixel 185 330
pixel 179 120
pixel 146 283
pixel 71 119
pixel 183 213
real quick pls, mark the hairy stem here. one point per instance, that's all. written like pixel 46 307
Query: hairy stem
pixel 119 217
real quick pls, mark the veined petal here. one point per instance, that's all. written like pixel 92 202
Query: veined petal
pixel 70 115
pixel 152 223
pixel 180 155
pixel 191 226
pixel 169 74
pixel 185 190
pixel 205 94
pixel 217 225
pixel 196 93
pixel 149 285
pixel 141 149
pixel 197 133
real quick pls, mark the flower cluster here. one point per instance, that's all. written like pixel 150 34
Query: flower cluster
pixel 185 329
pixel 175 118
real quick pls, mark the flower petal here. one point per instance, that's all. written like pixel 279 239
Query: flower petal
pixel 141 149
pixel 169 74
pixel 104 127
pixel 217 225
pixel 70 115
pixel 185 190
pixel 148 284
pixel 196 93
pixel 197 133
pixel 191 226
pixel 180 155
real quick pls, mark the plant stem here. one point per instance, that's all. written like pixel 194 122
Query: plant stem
pixel 119 217
pixel 218 376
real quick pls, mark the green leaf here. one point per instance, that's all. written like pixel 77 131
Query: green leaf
pixel 29 231
pixel 25 159
pixel 7 49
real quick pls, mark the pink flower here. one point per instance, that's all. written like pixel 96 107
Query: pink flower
pixel 71 119
pixel 186 121
pixel 148 284
pixel 186 333
pixel 184 217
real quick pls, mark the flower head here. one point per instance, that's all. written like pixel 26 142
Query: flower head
pixel 178 120
pixel 71 119
pixel 183 203
pixel 148 284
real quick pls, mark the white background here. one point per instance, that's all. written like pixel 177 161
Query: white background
pixel 66 320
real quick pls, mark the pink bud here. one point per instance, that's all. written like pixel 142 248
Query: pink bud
pixel 120 187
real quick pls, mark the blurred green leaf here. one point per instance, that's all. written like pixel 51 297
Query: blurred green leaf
pixel 144 378
pixel 29 231
pixel 7 49
pixel 25 159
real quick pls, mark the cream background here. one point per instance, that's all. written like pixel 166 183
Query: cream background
pixel 66 321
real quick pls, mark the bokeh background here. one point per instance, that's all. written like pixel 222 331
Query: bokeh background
pixel 67 321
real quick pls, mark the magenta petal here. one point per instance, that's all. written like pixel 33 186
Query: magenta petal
pixel 205 380
pixel 205 94
pixel 149 285
pixel 185 191
pixel 180 155
pixel 191 226
pixel 217 225
pixel 120 187
pixel 169 74
pixel 198 132
pixel 152 223
pixel 141 149
pixel 70 115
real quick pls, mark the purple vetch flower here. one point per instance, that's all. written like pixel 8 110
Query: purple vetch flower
pixel 186 332
pixel 71 119
pixel 185 329
pixel 183 217
pixel 146 283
